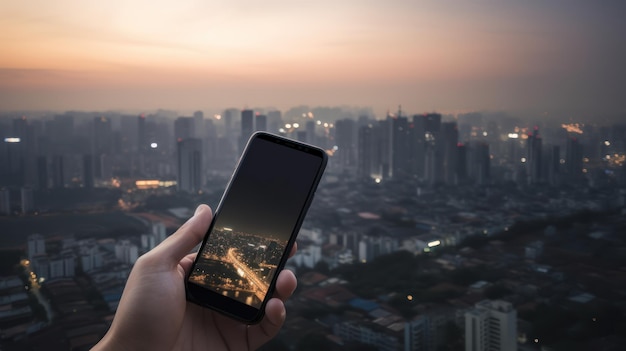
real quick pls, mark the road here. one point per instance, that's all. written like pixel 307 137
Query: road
pixel 260 287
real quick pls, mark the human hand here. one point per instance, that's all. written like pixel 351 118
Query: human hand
pixel 153 313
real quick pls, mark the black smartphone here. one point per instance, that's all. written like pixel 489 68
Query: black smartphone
pixel 255 226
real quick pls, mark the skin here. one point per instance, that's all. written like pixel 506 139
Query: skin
pixel 153 313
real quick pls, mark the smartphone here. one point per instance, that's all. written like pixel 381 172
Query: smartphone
pixel 255 226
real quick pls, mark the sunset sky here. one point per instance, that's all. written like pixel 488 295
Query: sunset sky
pixel 561 56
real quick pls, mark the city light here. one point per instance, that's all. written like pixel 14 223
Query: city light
pixel 523 159
pixel 607 143
pixel 296 125
pixel 12 140
pixel 154 145
pixel 288 126
pixel 434 243
pixel 377 180
pixel 147 184
pixel 513 135
pixel 409 297
pixel 573 128
pixel 217 117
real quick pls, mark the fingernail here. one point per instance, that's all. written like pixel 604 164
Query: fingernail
pixel 198 210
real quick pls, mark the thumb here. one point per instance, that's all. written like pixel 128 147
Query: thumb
pixel 178 245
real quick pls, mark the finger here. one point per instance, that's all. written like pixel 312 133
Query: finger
pixel 187 262
pixel 294 248
pixel 286 284
pixel 270 324
pixel 177 245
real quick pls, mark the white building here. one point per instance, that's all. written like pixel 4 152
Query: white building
pixel 148 242
pixel 63 266
pixel 159 232
pixel 491 325
pixel 371 247
pixel 36 246
pixel 126 252
pixel 308 256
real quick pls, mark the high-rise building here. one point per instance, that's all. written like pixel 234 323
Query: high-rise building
pixel 261 123
pixel 366 161
pixel 5 202
pixel 229 116
pixel 102 144
pixel 36 246
pixel 142 135
pixel 88 176
pixel 28 200
pixel 198 121
pixel 275 120
pixel 552 165
pixel 401 151
pixel 13 170
pixel 428 161
pixel 247 128
pixel 126 252
pixel 461 162
pixel 184 128
pixel 190 171
pixel 346 142
pixel 574 160
pixel 42 172
pixel 534 157
pixel 449 144
pixel 310 132
pixel 416 334
pixel 58 172
pixel 491 325
pixel 479 162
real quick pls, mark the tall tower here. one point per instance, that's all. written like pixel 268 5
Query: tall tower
pixel 479 162
pixel 36 246
pixel 5 201
pixel 428 160
pixel 449 140
pixel 102 145
pixel 190 172
pixel 533 161
pixel 142 136
pixel 184 128
pixel 491 325
pixel 400 143
pixel 261 123
pixel 247 128
pixel 574 160
pixel 345 139
pixel 28 200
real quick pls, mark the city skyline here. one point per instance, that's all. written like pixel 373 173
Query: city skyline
pixel 562 57
pixel 425 233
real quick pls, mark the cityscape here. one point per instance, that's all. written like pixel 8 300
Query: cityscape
pixel 428 231
pixel 239 265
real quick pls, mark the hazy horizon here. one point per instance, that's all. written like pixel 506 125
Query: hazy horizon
pixel 561 57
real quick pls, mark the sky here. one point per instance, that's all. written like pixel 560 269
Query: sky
pixel 559 56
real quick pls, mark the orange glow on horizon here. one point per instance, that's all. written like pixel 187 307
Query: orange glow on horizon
pixel 427 55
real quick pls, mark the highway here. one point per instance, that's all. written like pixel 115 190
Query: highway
pixel 260 287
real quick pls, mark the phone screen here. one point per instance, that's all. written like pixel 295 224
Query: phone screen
pixel 255 224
